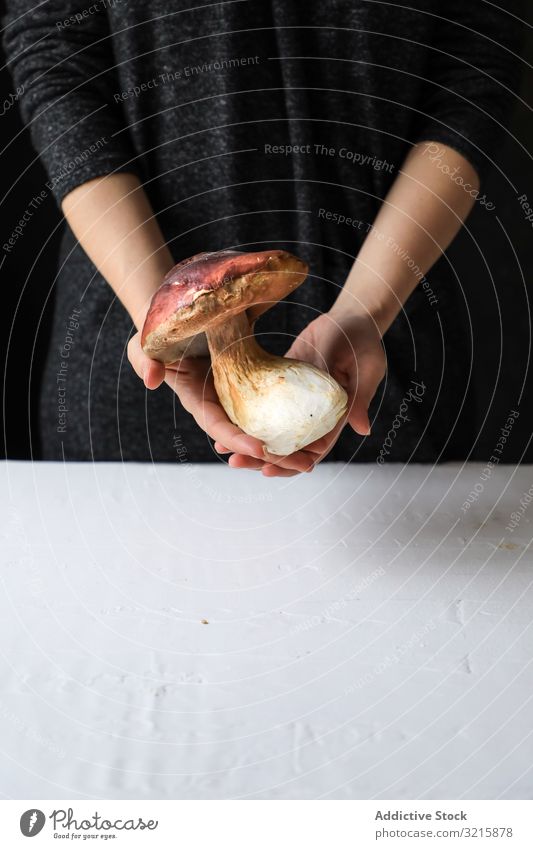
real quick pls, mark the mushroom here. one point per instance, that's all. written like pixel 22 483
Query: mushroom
pixel 285 403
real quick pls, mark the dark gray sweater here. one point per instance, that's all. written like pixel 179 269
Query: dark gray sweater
pixel 254 123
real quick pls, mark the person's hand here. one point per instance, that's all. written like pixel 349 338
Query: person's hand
pixel 349 347
pixel 192 380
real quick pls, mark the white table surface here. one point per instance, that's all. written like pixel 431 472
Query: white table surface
pixel 363 637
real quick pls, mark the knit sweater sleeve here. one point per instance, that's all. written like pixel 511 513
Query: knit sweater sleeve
pixel 473 70
pixel 60 57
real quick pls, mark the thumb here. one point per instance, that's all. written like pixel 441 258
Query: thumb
pixel 154 373
pixel 150 371
pixel 301 349
pixel 312 347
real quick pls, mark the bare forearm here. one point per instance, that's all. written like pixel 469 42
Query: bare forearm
pixel 423 211
pixel 114 223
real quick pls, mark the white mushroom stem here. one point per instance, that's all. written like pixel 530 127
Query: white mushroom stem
pixel 285 403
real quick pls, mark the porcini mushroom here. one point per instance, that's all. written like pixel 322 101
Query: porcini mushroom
pixel 285 403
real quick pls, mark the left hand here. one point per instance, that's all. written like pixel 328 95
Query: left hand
pixel 192 380
pixel 348 346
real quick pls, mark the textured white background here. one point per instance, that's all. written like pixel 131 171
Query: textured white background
pixel 365 637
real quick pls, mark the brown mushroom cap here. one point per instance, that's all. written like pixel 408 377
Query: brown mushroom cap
pixel 209 288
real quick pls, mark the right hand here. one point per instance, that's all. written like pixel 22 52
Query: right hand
pixel 192 380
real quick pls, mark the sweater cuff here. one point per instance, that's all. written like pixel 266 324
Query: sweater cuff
pixel 479 158
pixel 87 166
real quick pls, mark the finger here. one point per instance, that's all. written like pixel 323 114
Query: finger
pixel 300 461
pixel 241 461
pixel 150 371
pixel 301 349
pixel 358 410
pixel 154 374
pixel 315 347
pixel 136 356
pixel 358 418
pixel 304 347
pixel 270 471
pixel 210 416
pixel 221 449
pixel 362 390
